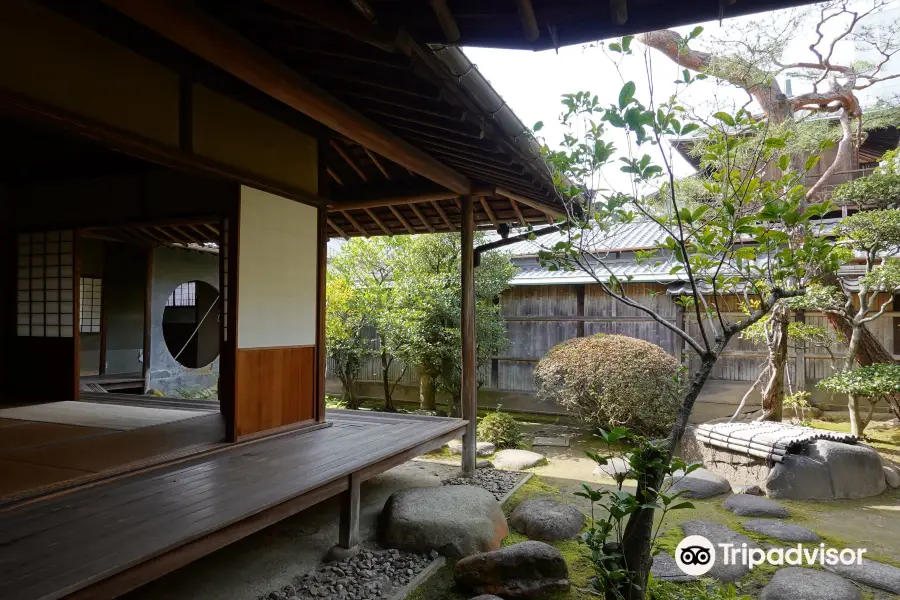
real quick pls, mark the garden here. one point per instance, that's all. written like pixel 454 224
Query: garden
pixel 606 498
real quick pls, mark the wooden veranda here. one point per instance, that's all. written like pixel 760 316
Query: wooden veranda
pixel 144 525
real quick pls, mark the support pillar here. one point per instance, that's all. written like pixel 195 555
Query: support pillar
pixel 348 529
pixel 469 389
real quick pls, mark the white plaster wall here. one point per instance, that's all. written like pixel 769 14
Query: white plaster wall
pixel 277 271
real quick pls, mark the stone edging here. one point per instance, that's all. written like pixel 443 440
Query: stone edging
pixel 515 489
pixel 419 579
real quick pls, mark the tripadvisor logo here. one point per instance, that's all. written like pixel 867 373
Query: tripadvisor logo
pixel 696 555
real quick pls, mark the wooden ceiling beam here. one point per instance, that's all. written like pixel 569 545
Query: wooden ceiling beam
pixel 184 25
pixel 441 123
pixel 374 158
pixel 338 17
pixel 489 212
pixel 544 208
pixel 337 229
pixel 402 220
pixel 355 223
pixel 518 212
pixel 619 10
pixel 425 222
pixel 443 215
pixel 445 20
pixel 428 108
pixel 378 222
pixel 334 176
pixel 379 202
pixel 337 146
pixel 529 22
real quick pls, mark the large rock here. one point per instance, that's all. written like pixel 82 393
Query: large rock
pixel 797 583
pixel 525 570
pixel 486 597
pixel 699 484
pixel 720 534
pixel 518 459
pixel 780 530
pixel 614 468
pixel 800 478
pixel 666 569
pixel 856 469
pixel 455 520
pixel 744 505
pixel 547 520
pixel 892 475
pixel 481 448
pixel 871 573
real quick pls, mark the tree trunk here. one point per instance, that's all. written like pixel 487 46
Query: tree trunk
pixel 385 380
pixel 638 535
pixel 870 350
pixel 426 391
pixel 773 394
pixel 856 425
pixel 349 397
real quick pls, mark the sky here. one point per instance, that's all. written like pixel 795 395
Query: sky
pixel 532 83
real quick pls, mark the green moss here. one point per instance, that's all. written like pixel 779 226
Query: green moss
pixel 536 487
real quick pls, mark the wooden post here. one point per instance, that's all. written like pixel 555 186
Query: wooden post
pixel 349 526
pixel 469 389
pixel 800 358
pixel 579 310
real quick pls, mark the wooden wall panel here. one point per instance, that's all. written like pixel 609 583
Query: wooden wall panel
pixel 275 387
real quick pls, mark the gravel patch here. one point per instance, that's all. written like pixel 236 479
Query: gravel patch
pixel 369 575
pixel 497 482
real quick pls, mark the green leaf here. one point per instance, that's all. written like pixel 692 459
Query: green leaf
pixel 812 161
pixel 626 42
pixel 725 118
pixel 626 94
pixel 689 128
pixel 695 32
pixel 775 143
pixel 615 47
pixel 784 162
pixel 538 126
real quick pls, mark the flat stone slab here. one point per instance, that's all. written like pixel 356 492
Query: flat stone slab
pixel 455 520
pixel 547 520
pixel 699 484
pixel 745 505
pixel 666 569
pixel 797 583
pixel 524 570
pixel 871 573
pixel 518 459
pixel 558 442
pixel 614 467
pixel 780 530
pixel 720 534
pixel 481 448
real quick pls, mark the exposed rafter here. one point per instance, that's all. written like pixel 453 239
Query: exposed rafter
pixel 337 146
pixel 339 231
pixel 544 208
pixel 422 218
pixel 445 19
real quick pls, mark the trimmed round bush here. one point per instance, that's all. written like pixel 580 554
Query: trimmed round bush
pixel 612 381
pixel 499 429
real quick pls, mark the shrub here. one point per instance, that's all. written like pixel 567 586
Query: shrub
pixel 612 381
pixel 500 429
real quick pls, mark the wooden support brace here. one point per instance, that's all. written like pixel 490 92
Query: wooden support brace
pixel 379 222
pixel 443 215
pixel 422 218
pixel 529 22
pixel 400 218
pixel 489 212
pixel 355 223
pixel 339 231
pixel 518 213
pixel 374 158
pixel 334 176
pixel 445 19
pixel 349 525
pixel 348 160
pixel 619 10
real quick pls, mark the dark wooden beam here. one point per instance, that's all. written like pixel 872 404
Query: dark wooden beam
pixel 469 389
pixel 337 146
pixel 619 10
pixel 443 214
pixel 334 176
pixel 402 220
pixel 518 212
pixel 355 223
pixel 338 230
pixel 544 208
pixel 337 16
pixel 439 123
pixel 489 212
pixel 445 20
pixel 374 158
pixel 393 201
pixel 422 218
pixel 215 43
pixel 529 22
pixel 378 222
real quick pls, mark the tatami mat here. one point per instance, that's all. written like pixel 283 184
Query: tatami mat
pixel 106 416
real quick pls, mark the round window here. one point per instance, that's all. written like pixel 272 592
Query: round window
pixel 191 324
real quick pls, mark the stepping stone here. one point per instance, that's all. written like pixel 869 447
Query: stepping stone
pixel 455 520
pixel 720 534
pixel 518 459
pixel 871 573
pixel 797 583
pixel 699 484
pixel 744 505
pixel 558 442
pixel 891 475
pixel 481 448
pixel 615 466
pixel 524 570
pixel 780 530
pixel 666 569
pixel 750 490
pixel 547 520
